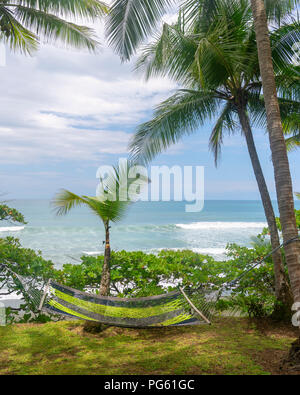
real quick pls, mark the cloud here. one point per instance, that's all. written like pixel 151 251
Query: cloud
pixel 66 105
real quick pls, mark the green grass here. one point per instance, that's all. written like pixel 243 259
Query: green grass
pixel 231 346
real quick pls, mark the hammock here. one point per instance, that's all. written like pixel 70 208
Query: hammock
pixel 182 307
pixel 177 308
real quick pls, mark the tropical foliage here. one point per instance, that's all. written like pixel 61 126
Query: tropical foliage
pixel 28 263
pixel 131 22
pixel 221 78
pixel 26 23
pixel 135 274
pixel 11 214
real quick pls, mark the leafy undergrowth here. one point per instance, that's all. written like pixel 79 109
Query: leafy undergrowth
pixel 231 346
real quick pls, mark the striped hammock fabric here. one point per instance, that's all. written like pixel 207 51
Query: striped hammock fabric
pixel 173 308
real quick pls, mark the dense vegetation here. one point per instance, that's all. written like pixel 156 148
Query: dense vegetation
pixel 11 214
pixel 135 274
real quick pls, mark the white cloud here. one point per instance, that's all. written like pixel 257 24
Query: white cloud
pixel 66 105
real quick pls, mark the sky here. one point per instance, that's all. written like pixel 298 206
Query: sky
pixel 64 113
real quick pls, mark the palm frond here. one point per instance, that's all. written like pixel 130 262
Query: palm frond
pixel 216 58
pixel 289 110
pixel 283 42
pixel 196 10
pixel 130 21
pixel 114 195
pixel 225 123
pixel 181 114
pixel 279 10
pixel 23 23
pixel 53 28
pixel 65 200
pixel 210 54
pixel 14 34
pixel 79 9
pixel 117 183
pixel 293 143
pixel 223 45
pixel 288 83
pixel 172 55
pixel 257 110
pixel 108 210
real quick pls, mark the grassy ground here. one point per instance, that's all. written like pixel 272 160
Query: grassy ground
pixel 231 346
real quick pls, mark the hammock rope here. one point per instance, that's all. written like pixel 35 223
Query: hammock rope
pixel 182 307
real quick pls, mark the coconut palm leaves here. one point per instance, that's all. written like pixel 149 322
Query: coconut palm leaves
pixel 181 114
pixel 218 65
pixel 131 22
pixel 25 23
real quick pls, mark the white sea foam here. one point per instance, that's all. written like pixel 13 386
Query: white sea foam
pixel 222 225
pixel 205 251
pixel 11 228
pixel 210 251
pixel 91 253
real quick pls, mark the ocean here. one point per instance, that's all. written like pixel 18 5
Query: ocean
pixel 148 226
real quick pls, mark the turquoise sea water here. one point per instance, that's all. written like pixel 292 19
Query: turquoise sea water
pixel 148 226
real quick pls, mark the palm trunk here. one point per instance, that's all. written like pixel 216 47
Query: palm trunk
pixel 282 288
pixel 105 277
pixel 282 173
pixel 278 148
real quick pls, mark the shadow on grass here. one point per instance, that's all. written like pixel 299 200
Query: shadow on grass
pixel 63 348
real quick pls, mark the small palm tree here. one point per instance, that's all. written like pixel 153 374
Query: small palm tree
pixel 24 23
pixel 114 195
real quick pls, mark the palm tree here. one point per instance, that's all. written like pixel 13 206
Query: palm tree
pixel 279 154
pixel 216 61
pixel 116 192
pixel 24 23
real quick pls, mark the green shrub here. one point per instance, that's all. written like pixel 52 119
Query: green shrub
pixel 28 263
pixel 136 274
pixel 139 274
pixel 11 214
